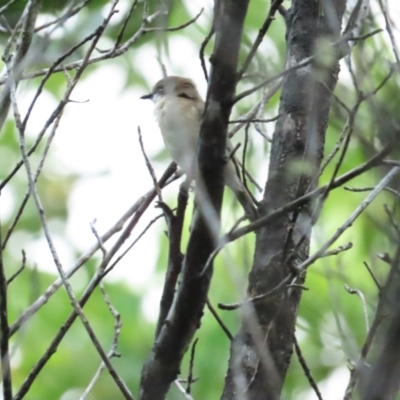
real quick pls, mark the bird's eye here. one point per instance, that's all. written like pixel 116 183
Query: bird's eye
pixel 187 85
pixel 160 90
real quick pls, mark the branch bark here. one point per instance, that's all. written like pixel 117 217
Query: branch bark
pixel 261 352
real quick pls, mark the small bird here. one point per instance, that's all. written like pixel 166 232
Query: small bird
pixel 178 109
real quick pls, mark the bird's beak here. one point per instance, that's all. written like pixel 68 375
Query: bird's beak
pixel 147 96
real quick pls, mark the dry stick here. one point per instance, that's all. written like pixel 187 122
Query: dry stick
pixel 378 318
pixel 175 258
pixel 372 275
pixel 149 166
pixel 338 250
pixel 219 320
pixel 36 177
pixel 202 49
pixel 261 297
pixel 287 71
pixel 54 114
pixel 16 61
pixel 267 81
pixel 110 54
pixel 336 148
pixel 255 120
pixel 49 72
pixel 27 22
pixel 4 333
pixel 100 273
pixel 4 8
pixel 113 350
pixel 34 307
pixel 348 135
pixel 13 38
pixel 248 117
pixel 254 110
pixel 97 236
pixel 20 269
pixel 142 202
pixel 4 26
pixel 182 390
pixel 360 294
pixel 243 166
pixel 125 23
pixel 176 28
pixel 392 220
pixel 47 77
pixel 67 15
pixel 356 18
pixel 391 162
pixel 349 125
pixel 42 217
pixel 349 222
pixel 368 189
pixel 306 370
pixel 261 33
pixel 258 120
pixel 390 33
pixel 125 252
pixel 190 379
pixel 261 222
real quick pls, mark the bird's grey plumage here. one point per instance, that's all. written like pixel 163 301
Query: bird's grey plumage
pixel 178 111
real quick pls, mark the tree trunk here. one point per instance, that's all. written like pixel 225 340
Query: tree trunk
pixel 261 352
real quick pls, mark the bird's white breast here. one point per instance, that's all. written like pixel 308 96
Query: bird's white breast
pixel 179 122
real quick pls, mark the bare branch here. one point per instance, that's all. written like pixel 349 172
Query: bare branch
pixel 306 370
pixel 114 345
pixel 4 333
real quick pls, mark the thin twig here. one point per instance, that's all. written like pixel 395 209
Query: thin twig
pixel 261 297
pixel 124 253
pixel 372 275
pixel 67 15
pixel 202 49
pixel 219 320
pixel 190 379
pixel 261 33
pixel 36 177
pixel 350 220
pixel 360 294
pixel 4 8
pixel 182 390
pixel 176 28
pixel 4 333
pixel 20 269
pixel 125 24
pixel 259 223
pixel 338 250
pixel 391 35
pixel 306 370
pixel 149 166
pixel 97 236
pixel 113 350
pixel 137 208
pixel 110 54
pixel 368 189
